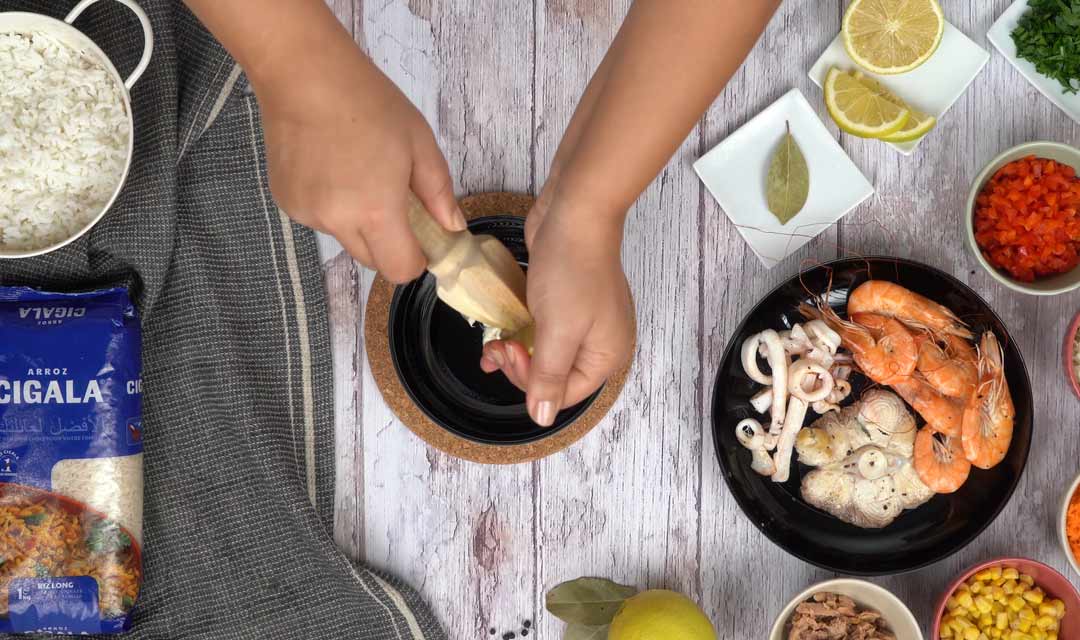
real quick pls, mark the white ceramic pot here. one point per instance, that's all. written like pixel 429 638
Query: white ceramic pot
pixel 62 30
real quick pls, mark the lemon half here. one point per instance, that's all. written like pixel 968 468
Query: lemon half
pixel 859 109
pixel 892 36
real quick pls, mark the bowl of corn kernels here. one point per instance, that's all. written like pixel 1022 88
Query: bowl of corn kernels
pixel 1009 599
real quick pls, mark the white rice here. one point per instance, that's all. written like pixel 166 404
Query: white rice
pixel 63 140
pixel 113 486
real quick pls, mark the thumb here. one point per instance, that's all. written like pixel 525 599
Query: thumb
pixel 553 358
pixel 432 184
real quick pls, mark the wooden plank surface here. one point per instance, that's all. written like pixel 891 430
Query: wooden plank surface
pixel 641 499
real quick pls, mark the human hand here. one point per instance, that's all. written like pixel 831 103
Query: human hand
pixel 344 148
pixel 580 301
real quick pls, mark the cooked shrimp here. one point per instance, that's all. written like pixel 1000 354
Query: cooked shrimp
pixel 988 420
pixel 942 413
pixel 892 300
pixel 940 462
pixel 882 347
pixel 951 370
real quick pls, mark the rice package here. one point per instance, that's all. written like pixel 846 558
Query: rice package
pixel 71 483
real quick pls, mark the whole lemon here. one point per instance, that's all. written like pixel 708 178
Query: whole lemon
pixel 660 615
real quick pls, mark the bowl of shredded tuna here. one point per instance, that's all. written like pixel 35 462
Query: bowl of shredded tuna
pixel 66 130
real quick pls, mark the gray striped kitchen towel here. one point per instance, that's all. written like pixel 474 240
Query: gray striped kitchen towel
pixel 237 366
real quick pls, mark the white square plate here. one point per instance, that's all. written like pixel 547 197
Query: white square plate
pixel 1001 37
pixel 735 170
pixel 932 88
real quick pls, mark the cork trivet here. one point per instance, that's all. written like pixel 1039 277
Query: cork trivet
pixel 376 335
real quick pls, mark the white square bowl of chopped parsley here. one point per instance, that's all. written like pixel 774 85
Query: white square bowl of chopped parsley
pixel 1041 38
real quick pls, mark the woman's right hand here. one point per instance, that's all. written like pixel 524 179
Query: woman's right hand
pixel 344 148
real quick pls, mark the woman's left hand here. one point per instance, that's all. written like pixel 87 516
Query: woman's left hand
pixel 580 301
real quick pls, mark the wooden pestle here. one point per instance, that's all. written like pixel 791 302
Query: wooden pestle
pixel 476 275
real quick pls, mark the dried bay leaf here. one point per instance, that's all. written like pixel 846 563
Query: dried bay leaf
pixel 581 632
pixel 590 602
pixel 788 184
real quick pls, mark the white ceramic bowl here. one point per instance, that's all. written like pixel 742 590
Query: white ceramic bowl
pixel 1073 562
pixel 62 30
pixel 1055 151
pixel 865 594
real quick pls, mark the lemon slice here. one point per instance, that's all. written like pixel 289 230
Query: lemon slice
pixel 859 110
pixel 918 125
pixel 892 36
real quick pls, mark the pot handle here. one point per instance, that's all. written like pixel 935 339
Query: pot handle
pixel 148 35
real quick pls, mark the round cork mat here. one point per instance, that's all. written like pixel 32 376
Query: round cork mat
pixel 376 336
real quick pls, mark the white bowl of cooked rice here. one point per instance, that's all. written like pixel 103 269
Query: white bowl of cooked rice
pixel 66 129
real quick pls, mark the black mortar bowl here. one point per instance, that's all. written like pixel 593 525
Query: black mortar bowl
pixel 437 358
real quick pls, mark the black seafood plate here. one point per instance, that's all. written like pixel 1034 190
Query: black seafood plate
pixel 919 537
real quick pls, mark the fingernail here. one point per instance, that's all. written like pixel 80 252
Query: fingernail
pixel 544 414
pixel 510 357
pixel 458 221
pixel 497 357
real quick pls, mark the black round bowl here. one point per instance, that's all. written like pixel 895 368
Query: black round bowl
pixel 919 537
pixel 437 357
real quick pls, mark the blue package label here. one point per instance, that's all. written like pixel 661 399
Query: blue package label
pixel 71 386
pixel 63 605
pixel 70 393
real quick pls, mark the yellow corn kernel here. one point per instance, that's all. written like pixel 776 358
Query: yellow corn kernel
pixel 1034 596
pixel 966 601
pixel 997 582
pixel 1026 579
pixel 950 603
pixel 1009 586
pixel 1016 603
pixel 1038 634
pixel 971 633
pixel 1047 609
pixel 984 575
pixel 986 621
pixel 1027 613
pixel 1060 606
pixel 995 573
pixel 1024 625
pixel 996 633
pixel 997 593
pixel 983 604
pixel 976 587
pixel 1052 635
pixel 1002 621
pixel 1045 622
pixel 1010 573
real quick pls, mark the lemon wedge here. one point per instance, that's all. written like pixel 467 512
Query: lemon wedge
pixel 892 36
pixel 918 125
pixel 860 110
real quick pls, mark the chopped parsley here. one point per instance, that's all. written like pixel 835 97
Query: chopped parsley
pixel 1048 36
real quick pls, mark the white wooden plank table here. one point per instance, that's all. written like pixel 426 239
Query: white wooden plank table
pixel 641 499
